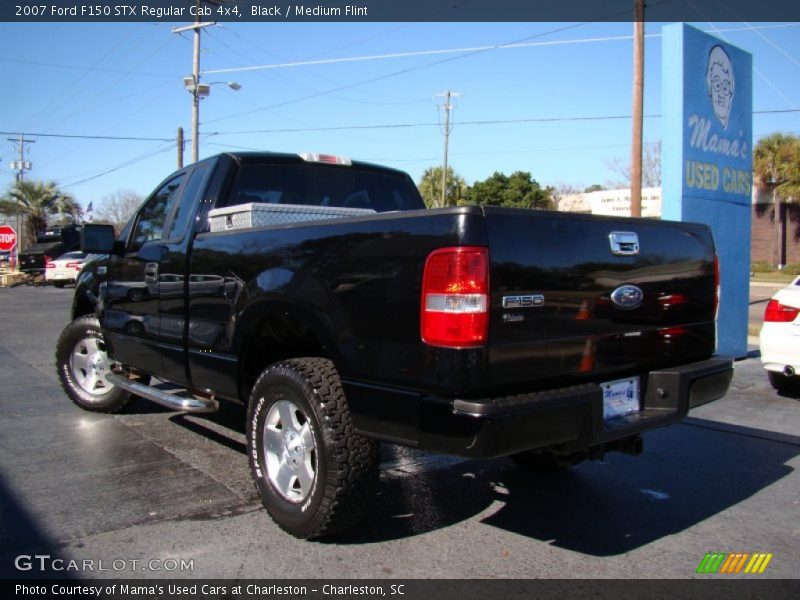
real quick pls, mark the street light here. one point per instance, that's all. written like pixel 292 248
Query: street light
pixel 199 90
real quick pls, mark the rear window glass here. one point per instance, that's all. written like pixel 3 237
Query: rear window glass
pixel 320 185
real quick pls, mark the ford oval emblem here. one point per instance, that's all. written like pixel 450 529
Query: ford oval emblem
pixel 627 297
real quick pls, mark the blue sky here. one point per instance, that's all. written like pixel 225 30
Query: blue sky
pixel 124 79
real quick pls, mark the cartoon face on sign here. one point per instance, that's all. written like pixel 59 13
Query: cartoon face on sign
pixel 720 83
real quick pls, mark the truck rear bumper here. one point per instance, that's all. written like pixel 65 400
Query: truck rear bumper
pixel 571 417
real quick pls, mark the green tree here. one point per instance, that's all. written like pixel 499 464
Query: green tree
pixel 595 187
pixel 518 190
pixel 430 186
pixel 38 201
pixel 776 167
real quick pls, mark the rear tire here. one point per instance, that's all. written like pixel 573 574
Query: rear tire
pixel 82 364
pixel 315 475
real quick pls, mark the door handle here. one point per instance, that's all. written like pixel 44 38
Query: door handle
pixel 151 272
pixel 230 285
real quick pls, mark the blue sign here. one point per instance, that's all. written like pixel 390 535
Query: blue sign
pixel 707 158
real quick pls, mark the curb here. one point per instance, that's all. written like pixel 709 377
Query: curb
pixel 769 283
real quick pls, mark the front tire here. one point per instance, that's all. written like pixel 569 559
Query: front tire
pixel 315 475
pixel 82 364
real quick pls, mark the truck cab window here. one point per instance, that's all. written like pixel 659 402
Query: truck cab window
pixel 185 208
pixel 320 185
pixel 153 216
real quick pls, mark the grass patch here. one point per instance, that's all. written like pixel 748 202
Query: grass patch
pixel 775 277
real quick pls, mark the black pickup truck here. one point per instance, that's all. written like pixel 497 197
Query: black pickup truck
pixel 323 295
pixel 49 245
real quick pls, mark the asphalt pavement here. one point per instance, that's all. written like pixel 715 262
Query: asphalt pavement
pixel 154 485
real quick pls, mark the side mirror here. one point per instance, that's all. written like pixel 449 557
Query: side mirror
pixel 98 239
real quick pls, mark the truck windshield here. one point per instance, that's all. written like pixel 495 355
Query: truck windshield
pixel 323 185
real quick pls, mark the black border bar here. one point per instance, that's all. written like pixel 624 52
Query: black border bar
pixel 708 587
pixel 276 11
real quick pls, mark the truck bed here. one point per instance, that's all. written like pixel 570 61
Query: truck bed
pixel 359 280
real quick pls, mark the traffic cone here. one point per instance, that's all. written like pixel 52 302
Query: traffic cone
pixel 587 358
pixel 583 312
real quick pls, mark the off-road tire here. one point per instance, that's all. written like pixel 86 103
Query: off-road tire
pixel 84 337
pixel 345 464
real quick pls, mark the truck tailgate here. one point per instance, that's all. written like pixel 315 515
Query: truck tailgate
pixel 566 307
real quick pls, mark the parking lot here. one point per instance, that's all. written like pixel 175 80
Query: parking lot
pixel 151 484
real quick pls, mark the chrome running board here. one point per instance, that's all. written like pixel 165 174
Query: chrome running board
pixel 173 401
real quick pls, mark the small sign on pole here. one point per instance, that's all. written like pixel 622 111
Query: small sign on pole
pixel 8 241
pixel 8 238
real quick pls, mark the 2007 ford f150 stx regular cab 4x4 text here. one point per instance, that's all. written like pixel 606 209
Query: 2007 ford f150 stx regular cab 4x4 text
pixel 322 294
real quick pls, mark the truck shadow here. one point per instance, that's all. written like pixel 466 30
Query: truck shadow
pixel 229 416
pixel 22 539
pixel 688 473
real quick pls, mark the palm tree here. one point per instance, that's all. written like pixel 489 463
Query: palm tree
pixel 430 187
pixel 776 166
pixel 38 201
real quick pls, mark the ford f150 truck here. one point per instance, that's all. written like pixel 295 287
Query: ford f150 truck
pixel 321 293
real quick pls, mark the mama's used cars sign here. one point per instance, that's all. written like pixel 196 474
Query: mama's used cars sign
pixel 707 158
pixel 717 138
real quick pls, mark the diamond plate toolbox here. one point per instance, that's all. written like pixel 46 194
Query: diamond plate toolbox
pixel 246 216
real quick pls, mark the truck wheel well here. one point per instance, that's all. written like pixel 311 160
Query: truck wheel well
pixel 82 307
pixel 274 338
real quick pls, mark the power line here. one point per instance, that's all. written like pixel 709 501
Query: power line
pixel 91 137
pixel 479 50
pixel 160 149
pixel 416 53
pixel 114 84
pixel 67 94
pixel 296 83
pixel 36 63
pixel 372 126
pixel 758 72
pixel 416 68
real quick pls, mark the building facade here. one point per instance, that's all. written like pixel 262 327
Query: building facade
pixel 763 247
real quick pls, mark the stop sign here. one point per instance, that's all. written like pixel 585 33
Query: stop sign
pixel 8 238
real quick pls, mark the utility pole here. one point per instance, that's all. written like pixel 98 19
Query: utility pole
pixel 638 114
pixel 448 95
pixel 195 88
pixel 20 166
pixel 180 147
pixel 195 95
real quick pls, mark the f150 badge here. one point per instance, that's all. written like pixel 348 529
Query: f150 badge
pixel 526 301
pixel 627 297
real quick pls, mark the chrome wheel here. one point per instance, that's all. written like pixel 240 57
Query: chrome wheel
pixel 289 451
pixel 89 365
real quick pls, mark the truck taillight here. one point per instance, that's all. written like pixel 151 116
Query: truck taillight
pixel 455 297
pixel 780 313
pixel 328 159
